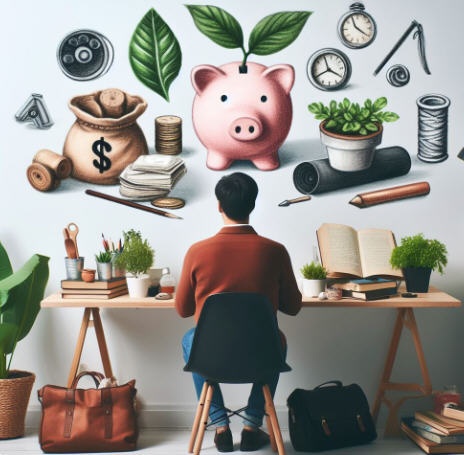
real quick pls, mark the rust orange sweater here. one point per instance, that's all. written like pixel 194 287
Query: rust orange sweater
pixel 237 259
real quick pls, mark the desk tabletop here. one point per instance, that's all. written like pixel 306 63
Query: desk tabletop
pixel 433 299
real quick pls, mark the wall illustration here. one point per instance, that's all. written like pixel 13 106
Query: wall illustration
pixel 248 103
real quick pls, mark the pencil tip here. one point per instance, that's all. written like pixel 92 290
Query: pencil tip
pixel 356 201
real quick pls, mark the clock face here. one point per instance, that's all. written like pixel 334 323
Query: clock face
pixel 357 30
pixel 329 69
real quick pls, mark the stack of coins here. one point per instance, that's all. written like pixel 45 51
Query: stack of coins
pixel 168 135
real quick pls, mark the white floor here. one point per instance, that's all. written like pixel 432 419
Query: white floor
pixel 175 442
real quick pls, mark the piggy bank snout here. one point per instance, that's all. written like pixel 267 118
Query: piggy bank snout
pixel 246 129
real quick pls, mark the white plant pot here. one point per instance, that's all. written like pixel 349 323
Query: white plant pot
pixel 350 153
pixel 312 288
pixel 138 286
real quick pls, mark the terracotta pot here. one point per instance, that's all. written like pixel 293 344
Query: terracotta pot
pixel 88 275
pixel 350 153
pixel 15 392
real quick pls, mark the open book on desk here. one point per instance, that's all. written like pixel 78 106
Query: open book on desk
pixel 347 253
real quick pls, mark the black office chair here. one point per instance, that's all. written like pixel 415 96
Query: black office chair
pixel 237 341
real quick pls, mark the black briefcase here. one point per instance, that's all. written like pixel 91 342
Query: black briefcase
pixel 329 417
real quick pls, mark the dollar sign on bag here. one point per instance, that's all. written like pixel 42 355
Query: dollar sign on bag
pixel 99 148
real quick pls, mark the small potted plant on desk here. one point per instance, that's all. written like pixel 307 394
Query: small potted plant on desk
pixel 314 279
pixel 351 132
pixel 20 296
pixel 104 265
pixel 136 258
pixel 417 257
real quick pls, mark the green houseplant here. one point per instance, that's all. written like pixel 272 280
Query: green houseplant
pixel 351 131
pixel 104 265
pixel 20 296
pixel 136 258
pixel 417 257
pixel 314 279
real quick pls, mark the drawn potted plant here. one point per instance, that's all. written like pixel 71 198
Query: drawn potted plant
pixel 314 279
pixel 351 132
pixel 20 296
pixel 136 258
pixel 417 257
pixel 243 110
pixel 104 265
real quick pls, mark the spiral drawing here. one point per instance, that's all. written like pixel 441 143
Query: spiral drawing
pixel 398 75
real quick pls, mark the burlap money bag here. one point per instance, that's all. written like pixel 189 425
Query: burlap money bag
pixel 105 137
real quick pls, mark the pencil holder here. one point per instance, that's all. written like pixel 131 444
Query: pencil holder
pixel 116 271
pixel 74 268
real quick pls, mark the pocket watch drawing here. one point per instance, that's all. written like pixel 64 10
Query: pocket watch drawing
pixel 329 69
pixel 356 28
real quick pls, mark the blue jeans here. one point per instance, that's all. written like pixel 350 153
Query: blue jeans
pixel 255 410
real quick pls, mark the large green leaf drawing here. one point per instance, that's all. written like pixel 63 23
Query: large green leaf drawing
pixel 155 54
pixel 5 264
pixel 276 31
pixel 218 25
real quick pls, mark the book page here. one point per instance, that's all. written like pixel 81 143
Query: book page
pixel 338 245
pixel 375 246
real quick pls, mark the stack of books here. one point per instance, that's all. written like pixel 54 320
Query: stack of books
pixel 101 290
pixel 435 433
pixel 368 289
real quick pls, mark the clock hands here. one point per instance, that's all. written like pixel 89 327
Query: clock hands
pixel 328 70
pixel 357 28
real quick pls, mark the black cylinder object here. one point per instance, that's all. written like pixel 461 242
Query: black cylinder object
pixel 317 176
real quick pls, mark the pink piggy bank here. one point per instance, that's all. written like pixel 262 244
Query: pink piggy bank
pixel 242 116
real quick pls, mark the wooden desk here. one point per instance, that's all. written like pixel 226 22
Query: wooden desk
pixel 405 319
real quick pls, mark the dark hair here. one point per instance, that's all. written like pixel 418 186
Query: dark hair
pixel 237 195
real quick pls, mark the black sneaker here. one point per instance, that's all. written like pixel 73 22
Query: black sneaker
pixel 224 441
pixel 253 440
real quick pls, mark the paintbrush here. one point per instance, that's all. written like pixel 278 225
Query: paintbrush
pixel 131 204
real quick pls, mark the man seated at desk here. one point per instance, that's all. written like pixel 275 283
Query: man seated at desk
pixel 236 259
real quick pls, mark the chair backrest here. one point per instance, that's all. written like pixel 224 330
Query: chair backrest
pixel 237 340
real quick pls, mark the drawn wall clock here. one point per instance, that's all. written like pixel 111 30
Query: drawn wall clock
pixel 329 69
pixel 356 28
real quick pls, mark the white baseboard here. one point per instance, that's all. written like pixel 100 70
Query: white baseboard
pixel 159 416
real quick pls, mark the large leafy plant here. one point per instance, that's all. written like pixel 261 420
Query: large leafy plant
pixel 137 256
pixel 353 119
pixel 313 271
pixel 20 296
pixel 270 35
pixel 154 53
pixel 417 251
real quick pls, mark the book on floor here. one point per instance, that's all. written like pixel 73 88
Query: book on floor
pixel 425 444
pixel 444 424
pixel 370 295
pixel 454 412
pixel 348 253
pixel 365 284
pixel 110 284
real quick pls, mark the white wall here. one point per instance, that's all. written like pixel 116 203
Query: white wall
pixel 348 344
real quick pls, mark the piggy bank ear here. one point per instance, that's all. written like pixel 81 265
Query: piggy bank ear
pixel 284 75
pixel 203 75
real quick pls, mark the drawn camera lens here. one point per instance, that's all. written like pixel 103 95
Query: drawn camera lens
pixel 85 55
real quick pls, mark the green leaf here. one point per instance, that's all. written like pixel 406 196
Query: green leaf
pixel 154 54
pixel 364 113
pixel 355 126
pixel 346 103
pixel 363 131
pixel 371 127
pixel 380 103
pixel 368 104
pixel 348 116
pixel 331 124
pixel 313 108
pixel 333 106
pixel 218 25
pixel 276 31
pixel 321 116
pixel 5 264
pixel 346 127
pixel 390 117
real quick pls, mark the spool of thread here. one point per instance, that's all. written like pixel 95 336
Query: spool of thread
pixel 113 102
pixel 59 164
pixel 319 177
pixel 433 128
pixel 41 177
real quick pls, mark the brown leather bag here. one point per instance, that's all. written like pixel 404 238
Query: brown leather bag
pixel 88 420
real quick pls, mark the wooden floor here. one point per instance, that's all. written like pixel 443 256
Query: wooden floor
pixel 175 442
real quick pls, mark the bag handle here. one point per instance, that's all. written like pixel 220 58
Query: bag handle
pixel 335 383
pixel 97 377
